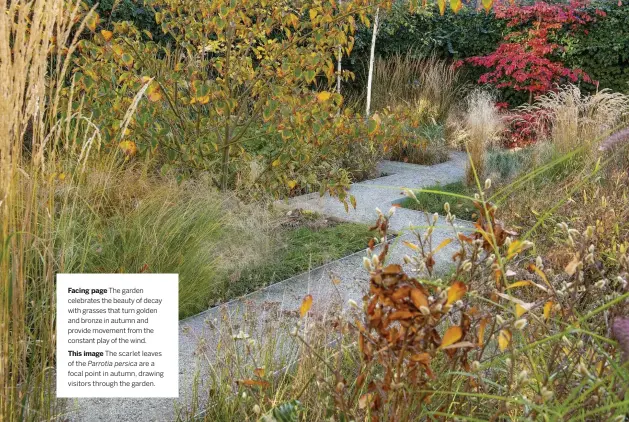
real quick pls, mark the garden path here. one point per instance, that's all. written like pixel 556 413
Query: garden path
pixel 275 304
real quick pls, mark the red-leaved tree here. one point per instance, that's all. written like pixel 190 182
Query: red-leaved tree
pixel 526 60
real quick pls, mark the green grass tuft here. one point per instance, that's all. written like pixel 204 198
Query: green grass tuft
pixel 300 250
pixel 433 202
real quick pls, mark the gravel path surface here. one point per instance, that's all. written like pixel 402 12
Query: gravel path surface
pixel 278 301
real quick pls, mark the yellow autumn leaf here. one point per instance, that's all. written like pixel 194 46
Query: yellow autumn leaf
pixel 514 248
pixel 306 304
pixel 456 292
pixel 540 273
pixel 154 92
pixel 117 49
pixel 504 338
pixel 107 35
pixel 520 310
pixel 313 14
pixel 323 96
pixel 548 306
pixel 451 336
pixel 203 100
pixel 481 331
pixel 291 184
pixel 487 5
pixel 275 163
pixel 456 5
pixel 129 148
pixel 442 245
pixel 520 283
pixel 442 6
pixel 411 245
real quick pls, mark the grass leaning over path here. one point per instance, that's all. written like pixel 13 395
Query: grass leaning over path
pixel 433 202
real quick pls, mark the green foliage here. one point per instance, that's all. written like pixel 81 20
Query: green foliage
pixel 603 52
pixel 434 201
pixel 507 164
pixel 285 412
pixel 174 236
pixel 134 11
pixel 237 102
pixel 453 36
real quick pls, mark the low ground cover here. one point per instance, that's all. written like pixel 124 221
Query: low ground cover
pixel 432 202
pixel 303 242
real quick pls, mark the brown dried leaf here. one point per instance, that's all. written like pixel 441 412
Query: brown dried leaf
pixel 397 315
pixel 253 383
pixel 418 298
pixel 481 331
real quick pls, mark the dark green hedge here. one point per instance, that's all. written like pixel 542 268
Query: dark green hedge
pixel 602 50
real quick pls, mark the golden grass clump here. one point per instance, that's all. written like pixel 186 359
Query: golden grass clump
pixel 575 118
pixel 482 127
pixel 37 40
pixel 429 86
